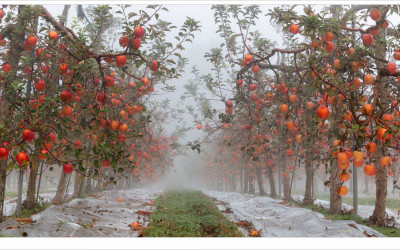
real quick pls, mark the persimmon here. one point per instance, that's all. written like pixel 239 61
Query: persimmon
pixel 371 147
pixel 67 111
pixel 255 68
pixel 283 108
pixel 348 116
pixel 31 41
pixel 342 190
pixel 329 47
pixel 369 79
pixel 327 37
pixel 323 112
pixel 254 233
pixel 294 29
pixel 135 224
pixel 53 35
pixel 358 158
pixel 63 68
pixel 114 125
pixel 383 134
pixel 248 58
pixel 292 98
pixel 119 199
pixel 366 109
pixel 369 170
pixel 344 175
pixel 391 68
pixel 385 161
pixel 309 105
pixel 198 126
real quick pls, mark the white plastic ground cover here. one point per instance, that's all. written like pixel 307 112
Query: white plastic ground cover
pixel 101 216
pixel 364 211
pixel 10 205
pixel 276 220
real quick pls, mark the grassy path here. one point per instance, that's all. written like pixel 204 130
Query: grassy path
pixel 188 214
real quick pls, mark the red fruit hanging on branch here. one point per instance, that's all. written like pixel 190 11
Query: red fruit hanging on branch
pixel 22 158
pixel 28 135
pixel 68 168
pixel 255 68
pixel 138 32
pixel 369 170
pixel 120 60
pixel 53 35
pixel 342 190
pixel 367 39
pixel 154 66
pixel 109 81
pixel 375 14
pixel 136 43
pixel 65 96
pixel 323 112
pixel 391 68
pixel 40 85
pixel 63 68
pixel 294 29
pixel 6 68
pixel 124 41
pixel 3 153
pixel 31 41
pixel 105 163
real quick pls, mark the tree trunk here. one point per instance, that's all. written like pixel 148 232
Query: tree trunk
pixel 59 198
pixel 308 199
pixel 335 205
pixel 88 187
pixel 3 175
pixel 271 181
pixel 260 181
pixel 246 181
pixel 30 200
pixel 379 214
pixel 241 179
pixel 285 180
pixel 13 58
pixel 78 185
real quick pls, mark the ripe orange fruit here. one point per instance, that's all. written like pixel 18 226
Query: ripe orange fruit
pixel 371 147
pixel 385 161
pixel 294 29
pixel 53 35
pixel 323 112
pixel 375 14
pixel 366 109
pixel 367 39
pixel 369 170
pixel 344 175
pixel 283 108
pixel 369 79
pixel 67 111
pixel 135 224
pixel 327 37
pixel 342 191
